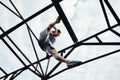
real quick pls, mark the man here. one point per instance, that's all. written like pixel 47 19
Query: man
pixel 48 38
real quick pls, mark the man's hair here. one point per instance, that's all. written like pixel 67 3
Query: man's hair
pixel 58 30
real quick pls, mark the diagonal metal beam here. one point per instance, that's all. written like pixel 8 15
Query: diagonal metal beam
pixel 87 61
pixel 3 71
pixel 9 8
pixel 18 59
pixel 115 32
pixel 13 52
pixel 19 51
pixel 112 11
pixel 60 62
pixel 15 74
pixel 100 41
pixel 65 20
pixel 104 12
pixel 28 28
pixel 25 21
pixel 25 68
pixel 90 37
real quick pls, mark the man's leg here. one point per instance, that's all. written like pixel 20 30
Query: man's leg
pixel 57 56
pixel 70 64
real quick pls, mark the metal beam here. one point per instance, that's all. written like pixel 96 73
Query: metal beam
pixel 65 20
pixel 25 21
pixel 104 12
pixel 112 11
pixel 87 61
pixel 3 71
pixel 83 41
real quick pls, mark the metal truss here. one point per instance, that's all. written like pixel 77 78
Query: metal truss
pixel 36 67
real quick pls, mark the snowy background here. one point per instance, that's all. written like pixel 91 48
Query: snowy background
pixel 86 18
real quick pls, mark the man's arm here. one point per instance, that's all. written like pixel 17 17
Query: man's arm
pixel 52 25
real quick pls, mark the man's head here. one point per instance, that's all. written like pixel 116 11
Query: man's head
pixel 56 34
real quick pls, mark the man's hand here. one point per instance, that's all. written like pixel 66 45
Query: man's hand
pixel 52 25
pixel 58 20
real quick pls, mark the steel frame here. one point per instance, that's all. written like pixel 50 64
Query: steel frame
pixel 47 75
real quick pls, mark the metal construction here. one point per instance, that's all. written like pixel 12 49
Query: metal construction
pixel 36 67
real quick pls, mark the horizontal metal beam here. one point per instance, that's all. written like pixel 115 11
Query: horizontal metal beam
pixel 104 43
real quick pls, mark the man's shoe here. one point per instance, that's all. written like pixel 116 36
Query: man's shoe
pixel 73 64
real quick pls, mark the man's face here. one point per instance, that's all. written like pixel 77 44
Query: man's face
pixel 57 34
